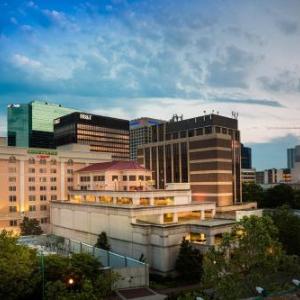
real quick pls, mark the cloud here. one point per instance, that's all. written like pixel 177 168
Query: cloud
pixel 287 26
pixel 231 69
pixel 24 61
pixel 263 102
pixel 286 81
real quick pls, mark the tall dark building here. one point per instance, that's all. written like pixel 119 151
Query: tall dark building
pixel 140 133
pixel 291 157
pixel 31 124
pixel 246 157
pixel 103 134
pixel 204 151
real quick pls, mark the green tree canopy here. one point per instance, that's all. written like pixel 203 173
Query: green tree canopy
pixel 279 195
pixel 288 225
pixel 247 257
pixel 102 241
pixel 30 227
pixel 252 192
pixel 19 270
pixel 189 262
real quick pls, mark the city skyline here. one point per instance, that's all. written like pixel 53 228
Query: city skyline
pixel 119 58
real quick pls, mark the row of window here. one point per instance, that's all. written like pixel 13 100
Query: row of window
pixel 41 170
pixel 13 198
pixel 43 207
pixel 42 161
pixel 116 178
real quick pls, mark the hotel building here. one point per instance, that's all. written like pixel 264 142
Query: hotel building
pixel 102 134
pixel 31 125
pixel 140 133
pixel 118 197
pixel 203 151
pixel 30 178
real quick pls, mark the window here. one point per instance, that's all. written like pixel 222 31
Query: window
pixel 218 129
pixel 31 197
pixel 132 178
pixel 12 198
pixel 70 162
pixel 12 159
pixel 31 170
pixel 53 162
pixel 43 170
pixel 99 178
pixel 141 177
pixel 43 188
pixel 12 170
pixel 43 161
pixel 12 188
pixel 44 220
pixel 208 130
pixel 43 179
pixel 31 188
pixel 53 188
pixel 31 161
pixel 85 178
pixel 124 178
pixel 31 179
pixel 13 223
pixel 148 178
pixel 70 179
pixel 70 171
pixel 53 197
pixel 12 179
pixel 70 188
pixel 191 132
pixel 53 179
pixel 183 134
pixel 12 209
pixel 32 208
pixel 114 177
pixel 43 207
pixel 43 198
pixel 199 131
pixel 53 171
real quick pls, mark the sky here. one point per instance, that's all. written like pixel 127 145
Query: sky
pixel 155 58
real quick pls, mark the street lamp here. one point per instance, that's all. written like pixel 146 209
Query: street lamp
pixel 70 281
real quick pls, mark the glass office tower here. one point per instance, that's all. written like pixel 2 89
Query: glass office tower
pixel 31 125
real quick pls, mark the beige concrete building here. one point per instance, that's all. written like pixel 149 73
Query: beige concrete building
pixel 248 175
pixel 31 178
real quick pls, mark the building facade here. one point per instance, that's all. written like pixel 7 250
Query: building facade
pixel 31 125
pixel 248 176
pixel 30 178
pixel 291 158
pixel 273 176
pixel 140 133
pixel 102 134
pixel 246 157
pixel 204 151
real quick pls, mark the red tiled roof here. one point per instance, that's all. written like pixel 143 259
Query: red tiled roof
pixel 113 165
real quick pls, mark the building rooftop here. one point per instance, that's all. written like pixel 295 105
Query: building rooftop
pixel 113 165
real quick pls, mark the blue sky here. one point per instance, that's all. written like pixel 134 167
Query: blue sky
pixel 155 58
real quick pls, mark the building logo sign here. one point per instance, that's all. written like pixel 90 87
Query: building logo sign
pixel 41 152
pixel 85 117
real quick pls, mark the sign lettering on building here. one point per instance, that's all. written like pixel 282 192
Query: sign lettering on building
pixel 85 117
pixel 41 152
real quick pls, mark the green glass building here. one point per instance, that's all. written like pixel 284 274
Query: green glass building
pixel 31 125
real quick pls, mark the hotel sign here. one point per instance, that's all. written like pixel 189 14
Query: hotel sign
pixel 41 152
pixel 85 117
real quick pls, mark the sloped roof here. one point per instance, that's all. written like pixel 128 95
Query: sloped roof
pixel 113 165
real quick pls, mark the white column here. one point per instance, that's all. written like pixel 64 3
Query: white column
pixel 210 240
pixel 213 213
pixel 175 217
pixel 62 181
pixel 22 187
pixel 202 214
pixel 161 219
pixel 152 200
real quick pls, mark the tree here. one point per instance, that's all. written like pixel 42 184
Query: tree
pixel 288 226
pixel 189 262
pixel 19 269
pixel 247 257
pixel 30 227
pixel 278 195
pixel 102 241
pixel 252 192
